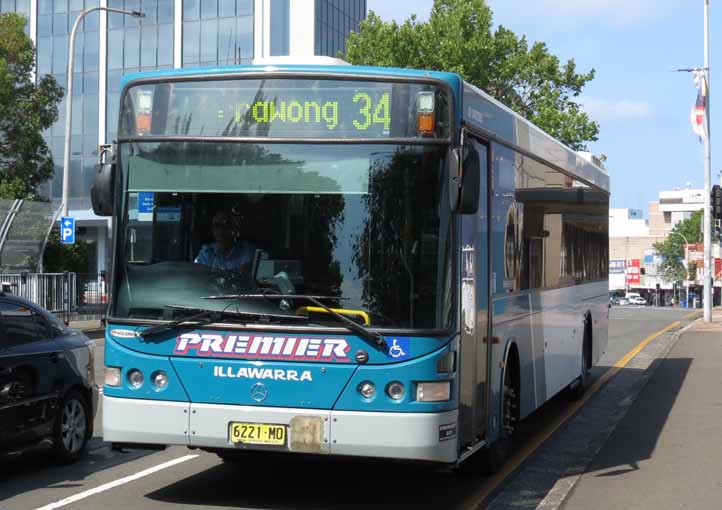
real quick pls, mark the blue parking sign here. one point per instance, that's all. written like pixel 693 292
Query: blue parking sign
pixel 67 230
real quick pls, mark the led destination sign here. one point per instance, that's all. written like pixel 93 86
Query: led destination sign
pixel 313 113
pixel 284 108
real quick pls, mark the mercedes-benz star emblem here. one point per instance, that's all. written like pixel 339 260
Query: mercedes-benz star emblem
pixel 259 392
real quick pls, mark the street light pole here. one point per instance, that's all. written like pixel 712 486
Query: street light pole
pixel 69 96
pixel 707 300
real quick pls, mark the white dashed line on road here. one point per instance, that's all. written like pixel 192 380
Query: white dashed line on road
pixel 115 483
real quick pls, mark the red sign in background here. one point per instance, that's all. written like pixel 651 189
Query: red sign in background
pixel 632 272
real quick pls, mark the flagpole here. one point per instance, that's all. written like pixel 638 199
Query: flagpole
pixel 707 299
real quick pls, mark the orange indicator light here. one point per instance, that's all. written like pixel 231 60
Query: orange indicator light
pixel 425 123
pixel 142 123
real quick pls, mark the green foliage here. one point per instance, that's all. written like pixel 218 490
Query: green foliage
pixel 74 258
pixel 26 110
pixel 458 37
pixel 672 248
pixel 13 187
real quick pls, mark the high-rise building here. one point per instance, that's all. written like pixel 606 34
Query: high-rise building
pixel 173 33
pixel 672 207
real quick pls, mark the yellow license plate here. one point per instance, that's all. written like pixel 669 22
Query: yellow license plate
pixel 258 433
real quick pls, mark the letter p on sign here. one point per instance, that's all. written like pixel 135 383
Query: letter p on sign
pixel 67 230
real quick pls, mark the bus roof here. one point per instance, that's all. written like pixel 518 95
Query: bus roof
pixel 479 109
pixel 454 80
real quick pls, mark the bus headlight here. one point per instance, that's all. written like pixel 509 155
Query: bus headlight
pixel 367 389
pixel 433 391
pixel 395 390
pixel 160 379
pixel 135 378
pixel 112 376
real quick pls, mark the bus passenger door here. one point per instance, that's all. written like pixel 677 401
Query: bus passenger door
pixel 474 307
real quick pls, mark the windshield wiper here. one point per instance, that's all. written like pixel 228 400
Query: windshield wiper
pixel 204 316
pixel 371 337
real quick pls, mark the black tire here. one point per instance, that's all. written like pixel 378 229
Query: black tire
pixel 495 456
pixel 577 393
pixel 232 456
pixel 72 428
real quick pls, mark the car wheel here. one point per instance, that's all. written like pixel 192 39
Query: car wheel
pixel 70 434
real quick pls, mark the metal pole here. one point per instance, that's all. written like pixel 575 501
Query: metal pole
pixel 707 299
pixel 69 96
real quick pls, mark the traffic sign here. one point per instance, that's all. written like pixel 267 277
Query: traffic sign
pixel 67 230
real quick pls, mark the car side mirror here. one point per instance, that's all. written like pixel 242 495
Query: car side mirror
pixel 102 190
pixel 470 183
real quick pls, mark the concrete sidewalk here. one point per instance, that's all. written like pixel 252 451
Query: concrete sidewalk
pixel 666 453
pixel 93 326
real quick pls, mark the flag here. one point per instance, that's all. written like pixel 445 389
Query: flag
pixel 698 118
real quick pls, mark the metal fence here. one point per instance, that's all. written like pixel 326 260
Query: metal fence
pixel 71 296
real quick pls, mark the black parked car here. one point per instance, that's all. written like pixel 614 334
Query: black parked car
pixel 47 384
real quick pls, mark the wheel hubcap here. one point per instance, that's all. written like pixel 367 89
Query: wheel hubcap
pixel 73 426
pixel 508 410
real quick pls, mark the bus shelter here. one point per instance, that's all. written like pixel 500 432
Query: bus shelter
pixel 24 229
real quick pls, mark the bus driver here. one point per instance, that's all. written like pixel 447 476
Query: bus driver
pixel 225 253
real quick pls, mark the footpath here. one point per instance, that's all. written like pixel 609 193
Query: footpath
pixel 666 453
pixel 87 326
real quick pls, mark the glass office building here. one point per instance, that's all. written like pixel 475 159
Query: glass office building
pixel 173 33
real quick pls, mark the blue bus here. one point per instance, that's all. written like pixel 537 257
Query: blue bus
pixel 327 259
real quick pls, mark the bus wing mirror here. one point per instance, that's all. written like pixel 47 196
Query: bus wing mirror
pixel 101 192
pixel 470 183
pixel 455 157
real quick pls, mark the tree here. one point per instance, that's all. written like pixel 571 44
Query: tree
pixel 26 110
pixel 59 257
pixel 458 37
pixel 672 248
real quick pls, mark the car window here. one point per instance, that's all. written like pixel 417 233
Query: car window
pixel 22 324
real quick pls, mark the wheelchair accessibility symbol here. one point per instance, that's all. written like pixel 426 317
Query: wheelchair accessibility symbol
pixel 399 348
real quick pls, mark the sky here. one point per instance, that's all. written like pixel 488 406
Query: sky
pixel 643 108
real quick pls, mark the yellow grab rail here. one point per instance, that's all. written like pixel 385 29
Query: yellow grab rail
pixel 342 311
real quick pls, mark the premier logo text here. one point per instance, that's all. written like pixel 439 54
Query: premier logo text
pixel 266 347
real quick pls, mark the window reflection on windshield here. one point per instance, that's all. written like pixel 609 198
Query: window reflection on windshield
pixel 363 224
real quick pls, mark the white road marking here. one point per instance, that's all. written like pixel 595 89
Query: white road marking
pixel 115 483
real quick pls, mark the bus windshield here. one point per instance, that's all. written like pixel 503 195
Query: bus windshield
pixel 367 226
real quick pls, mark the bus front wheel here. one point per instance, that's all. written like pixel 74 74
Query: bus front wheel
pixel 577 391
pixel 495 455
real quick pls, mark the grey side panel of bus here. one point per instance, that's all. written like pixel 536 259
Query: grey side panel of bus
pixel 542 315
pixel 549 262
pixel 474 306
pixel 513 323
pixel 489 115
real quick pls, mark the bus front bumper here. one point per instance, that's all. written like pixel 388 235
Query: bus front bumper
pixel 412 436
